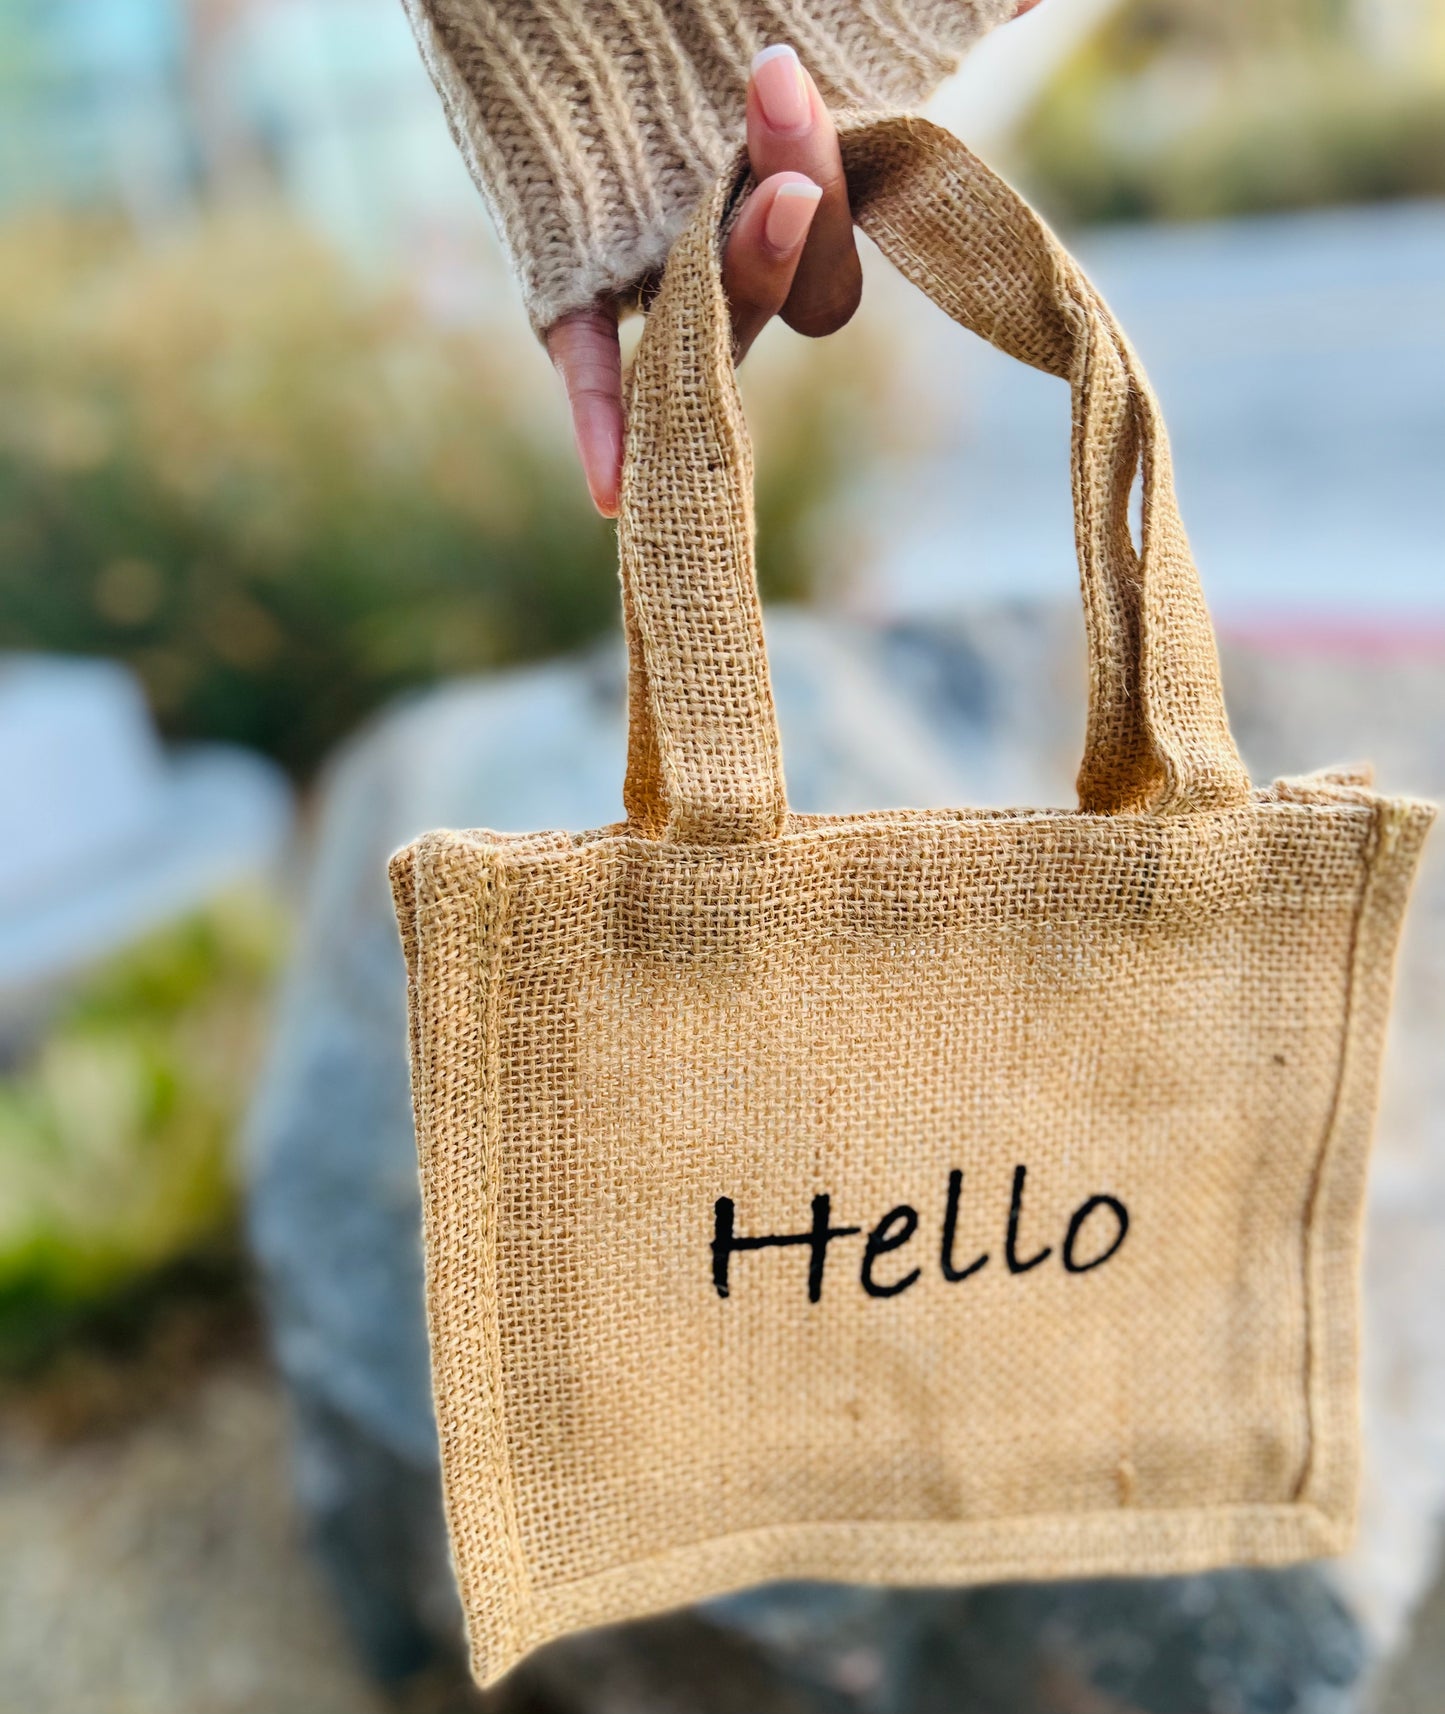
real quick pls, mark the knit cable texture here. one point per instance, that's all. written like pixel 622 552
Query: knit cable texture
pixel 592 127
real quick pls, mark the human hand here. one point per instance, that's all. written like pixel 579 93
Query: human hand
pixel 791 252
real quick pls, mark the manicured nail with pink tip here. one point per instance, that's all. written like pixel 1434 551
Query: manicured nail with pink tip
pixel 794 205
pixel 782 94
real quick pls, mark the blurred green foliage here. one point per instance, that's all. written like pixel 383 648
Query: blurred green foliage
pixel 1180 109
pixel 115 1133
pixel 282 496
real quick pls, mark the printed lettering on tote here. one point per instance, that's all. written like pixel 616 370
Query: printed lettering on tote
pixel 1094 1236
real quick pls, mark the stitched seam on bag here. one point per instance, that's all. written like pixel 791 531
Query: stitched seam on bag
pixel 440 1315
pixel 610 863
pixel 1382 863
pixel 1315 1352
pixel 475 1575
pixel 494 947
pixel 529 850
pixel 439 1334
pixel 1287 1515
pixel 830 830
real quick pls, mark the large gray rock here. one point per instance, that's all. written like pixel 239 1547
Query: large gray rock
pixel 1241 1642
pixel 987 710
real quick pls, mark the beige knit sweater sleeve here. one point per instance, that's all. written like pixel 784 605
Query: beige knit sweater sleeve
pixel 592 126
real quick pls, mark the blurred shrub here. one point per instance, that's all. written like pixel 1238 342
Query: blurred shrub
pixel 1178 109
pixel 114 1136
pixel 282 497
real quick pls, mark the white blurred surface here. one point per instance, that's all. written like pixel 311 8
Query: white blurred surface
pixel 1300 360
pixel 103 833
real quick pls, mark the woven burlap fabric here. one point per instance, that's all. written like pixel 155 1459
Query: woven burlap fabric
pixel 1126 1053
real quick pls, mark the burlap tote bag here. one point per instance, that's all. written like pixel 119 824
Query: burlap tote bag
pixel 915 1197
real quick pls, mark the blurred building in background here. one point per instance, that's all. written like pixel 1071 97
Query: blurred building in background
pixel 160 108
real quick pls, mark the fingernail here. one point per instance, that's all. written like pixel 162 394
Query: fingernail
pixel 782 94
pixel 597 433
pixel 794 205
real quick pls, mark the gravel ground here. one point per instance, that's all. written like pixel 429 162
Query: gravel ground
pixel 158 1569
pixel 1417 1683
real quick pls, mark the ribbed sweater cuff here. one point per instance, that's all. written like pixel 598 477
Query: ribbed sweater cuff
pixel 593 126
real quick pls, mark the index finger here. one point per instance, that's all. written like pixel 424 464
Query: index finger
pixel 790 130
pixel 587 353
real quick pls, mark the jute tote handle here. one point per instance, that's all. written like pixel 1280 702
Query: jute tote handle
pixel 704 763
